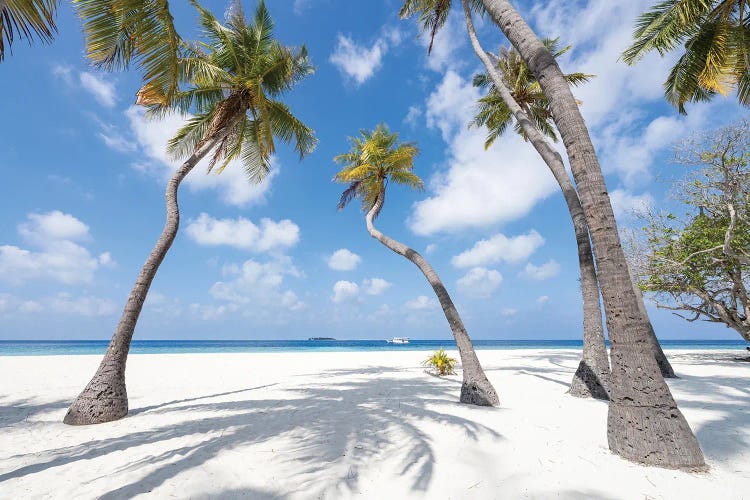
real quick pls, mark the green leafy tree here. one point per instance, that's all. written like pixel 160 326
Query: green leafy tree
pixel 375 159
pixel 714 38
pixel 235 79
pixel 699 265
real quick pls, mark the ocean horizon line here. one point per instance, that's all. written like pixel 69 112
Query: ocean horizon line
pixel 38 347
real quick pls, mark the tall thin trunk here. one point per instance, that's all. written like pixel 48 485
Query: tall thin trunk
pixel 592 377
pixel 644 423
pixel 661 359
pixel 476 389
pixel 105 397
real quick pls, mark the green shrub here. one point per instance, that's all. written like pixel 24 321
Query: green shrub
pixel 440 363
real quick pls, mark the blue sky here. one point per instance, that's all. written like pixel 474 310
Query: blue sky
pixel 84 174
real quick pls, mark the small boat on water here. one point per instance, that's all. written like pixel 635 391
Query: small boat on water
pixel 398 340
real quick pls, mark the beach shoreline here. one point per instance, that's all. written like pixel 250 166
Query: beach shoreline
pixel 344 424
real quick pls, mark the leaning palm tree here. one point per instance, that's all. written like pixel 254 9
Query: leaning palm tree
pixel 375 159
pixel 715 40
pixel 644 423
pixel 235 81
pixel 26 19
pixel 524 95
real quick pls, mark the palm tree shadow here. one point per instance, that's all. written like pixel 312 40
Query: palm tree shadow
pixel 324 428
pixel 13 412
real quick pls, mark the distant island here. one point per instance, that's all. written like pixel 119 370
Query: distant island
pixel 321 338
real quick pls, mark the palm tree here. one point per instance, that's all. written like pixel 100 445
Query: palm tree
pixel 526 100
pixel 715 35
pixel 644 423
pixel 235 80
pixel 494 114
pixel 375 159
pixel 26 19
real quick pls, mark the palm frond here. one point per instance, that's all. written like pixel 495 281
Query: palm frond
pixel 119 32
pixel 26 19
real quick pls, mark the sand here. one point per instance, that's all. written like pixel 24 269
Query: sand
pixel 344 425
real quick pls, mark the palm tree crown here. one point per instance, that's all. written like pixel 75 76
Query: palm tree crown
pixel 376 157
pixel 26 19
pixel 492 111
pixel 433 14
pixel 235 79
pixel 716 39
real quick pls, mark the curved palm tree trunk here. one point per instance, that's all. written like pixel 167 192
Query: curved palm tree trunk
pixel 476 389
pixel 105 398
pixel 644 423
pixel 592 376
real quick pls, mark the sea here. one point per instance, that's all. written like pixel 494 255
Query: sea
pixel 67 347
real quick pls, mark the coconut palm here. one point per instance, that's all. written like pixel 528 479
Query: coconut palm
pixel 375 159
pixel 526 100
pixel 715 40
pixel 26 19
pixel 644 423
pixel 235 81
pixel 496 116
pixel 492 111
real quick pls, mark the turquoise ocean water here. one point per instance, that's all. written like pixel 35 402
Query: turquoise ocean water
pixel 45 348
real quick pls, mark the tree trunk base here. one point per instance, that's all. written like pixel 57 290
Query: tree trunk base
pixel 480 393
pixel 588 382
pixel 653 436
pixel 105 399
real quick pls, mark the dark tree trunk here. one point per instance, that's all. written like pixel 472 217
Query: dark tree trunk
pixel 105 397
pixel 644 423
pixel 476 389
pixel 592 377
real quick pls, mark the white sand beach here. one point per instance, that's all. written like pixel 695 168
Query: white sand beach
pixel 354 424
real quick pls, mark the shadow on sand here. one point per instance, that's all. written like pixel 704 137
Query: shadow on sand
pixel 340 424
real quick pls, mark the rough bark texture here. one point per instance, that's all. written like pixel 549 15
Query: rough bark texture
pixel 476 389
pixel 661 359
pixel 644 423
pixel 592 377
pixel 105 398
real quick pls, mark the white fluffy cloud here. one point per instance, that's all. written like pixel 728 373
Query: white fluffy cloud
pixel 376 286
pixel 421 303
pixel 243 233
pixel 344 259
pixel 254 284
pixel 102 90
pixel 479 188
pixel 545 271
pixel 499 248
pixel 626 204
pixel 344 291
pixel 232 184
pixel 356 61
pixel 508 312
pixel 359 62
pixel 59 258
pixel 480 282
